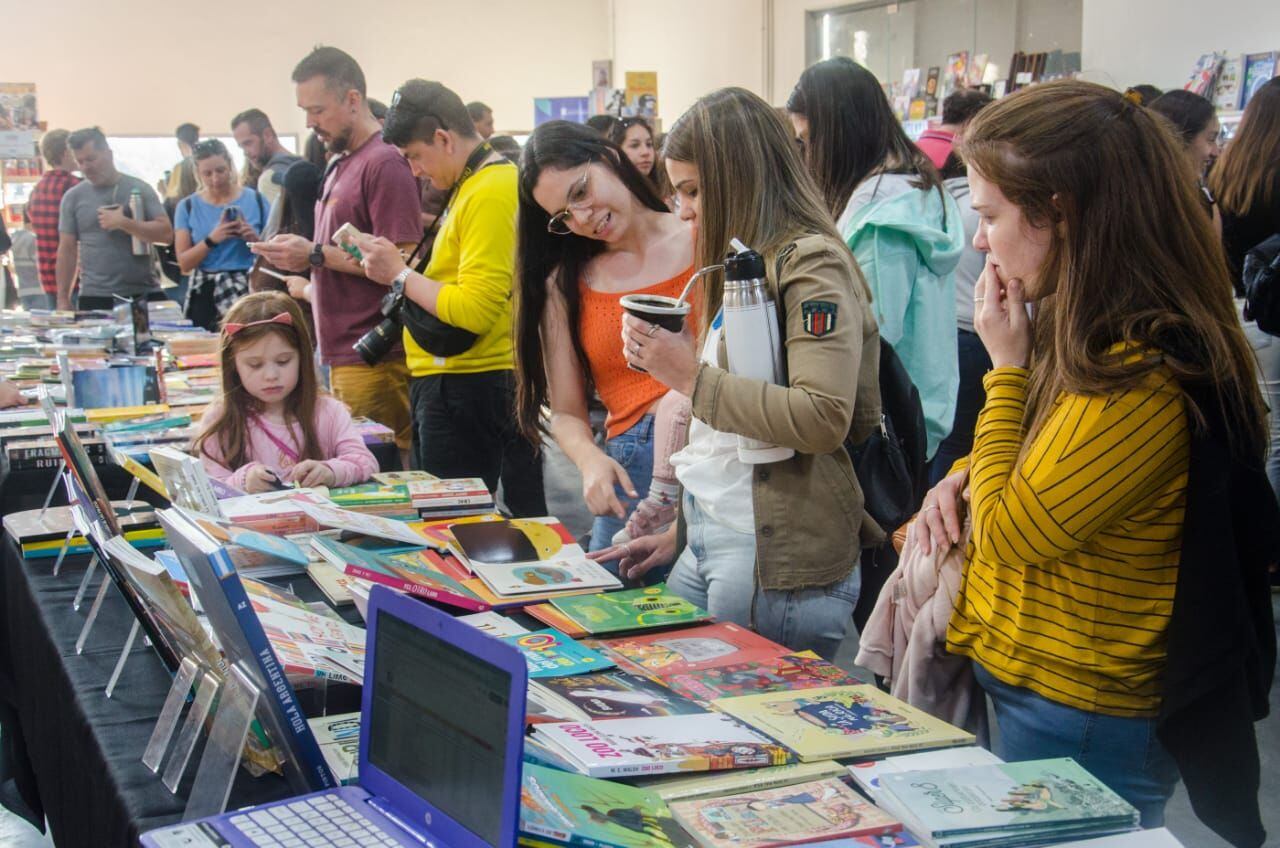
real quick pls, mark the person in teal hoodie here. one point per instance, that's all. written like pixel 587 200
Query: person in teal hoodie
pixel 903 227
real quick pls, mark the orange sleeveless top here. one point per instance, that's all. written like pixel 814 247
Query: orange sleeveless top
pixel 626 394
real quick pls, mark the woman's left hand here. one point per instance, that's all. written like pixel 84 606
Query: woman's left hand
pixel 312 472
pixel 247 232
pixel 1000 317
pixel 668 357
pixel 383 261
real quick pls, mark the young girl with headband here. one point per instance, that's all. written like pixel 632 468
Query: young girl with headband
pixel 272 424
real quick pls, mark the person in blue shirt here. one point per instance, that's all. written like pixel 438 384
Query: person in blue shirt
pixel 212 231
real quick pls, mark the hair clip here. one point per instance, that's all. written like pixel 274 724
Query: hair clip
pixel 232 327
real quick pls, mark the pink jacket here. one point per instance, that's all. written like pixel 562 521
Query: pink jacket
pixel 905 638
pixel 340 442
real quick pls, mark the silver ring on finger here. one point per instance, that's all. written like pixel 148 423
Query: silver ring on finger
pixel 653 330
pixel 933 506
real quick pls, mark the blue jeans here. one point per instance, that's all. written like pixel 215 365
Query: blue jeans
pixel 633 450
pixel 1121 752
pixel 974 364
pixel 717 572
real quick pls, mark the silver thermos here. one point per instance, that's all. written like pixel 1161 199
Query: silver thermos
pixel 140 247
pixel 753 339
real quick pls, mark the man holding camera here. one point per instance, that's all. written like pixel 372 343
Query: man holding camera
pixel 369 186
pixel 457 310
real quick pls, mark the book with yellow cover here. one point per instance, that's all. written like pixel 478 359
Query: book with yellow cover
pixel 842 721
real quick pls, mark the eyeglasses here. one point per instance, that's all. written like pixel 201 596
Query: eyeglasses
pixel 579 198
pixel 209 147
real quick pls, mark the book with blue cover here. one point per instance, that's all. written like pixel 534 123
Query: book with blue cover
pixel 550 653
pixel 212 576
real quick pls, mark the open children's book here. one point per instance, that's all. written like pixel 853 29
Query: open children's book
pixel 527 556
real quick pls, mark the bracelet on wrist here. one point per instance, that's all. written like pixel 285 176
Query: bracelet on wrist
pixel 209 242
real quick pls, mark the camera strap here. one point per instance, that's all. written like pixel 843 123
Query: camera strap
pixel 473 164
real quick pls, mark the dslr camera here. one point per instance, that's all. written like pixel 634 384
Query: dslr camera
pixel 374 345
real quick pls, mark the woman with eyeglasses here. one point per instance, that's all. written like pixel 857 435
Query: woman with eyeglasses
pixel 591 229
pixel 212 229
pixel 773 547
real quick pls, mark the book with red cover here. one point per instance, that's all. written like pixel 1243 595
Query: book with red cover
pixel 691 649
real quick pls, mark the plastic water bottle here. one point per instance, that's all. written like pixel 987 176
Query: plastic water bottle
pixel 140 247
pixel 752 337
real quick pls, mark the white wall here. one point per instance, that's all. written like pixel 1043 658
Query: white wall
pixel 1158 42
pixel 139 67
pixel 696 46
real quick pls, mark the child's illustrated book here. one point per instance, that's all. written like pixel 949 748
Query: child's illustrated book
pixel 808 812
pixel 804 670
pixel 683 743
pixel 633 609
pixel 691 649
pixel 569 809
pixel 842 721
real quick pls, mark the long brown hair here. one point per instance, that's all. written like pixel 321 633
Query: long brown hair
pixel 751 183
pixel 230 429
pixel 1247 174
pixel 1121 268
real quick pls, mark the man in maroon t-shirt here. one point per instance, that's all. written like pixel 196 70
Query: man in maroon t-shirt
pixel 370 186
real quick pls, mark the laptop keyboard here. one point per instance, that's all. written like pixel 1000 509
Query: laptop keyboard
pixel 325 820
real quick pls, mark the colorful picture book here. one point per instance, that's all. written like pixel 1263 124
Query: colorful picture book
pixel 332 582
pixel 1259 68
pixel 552 617
pixel 808 812
pixel 687 787
pixel 989 805
pixel 550 653
pixel 568 809
pixel 805 670
pixel 413 575
pixel 307 643
pixel 633 609
pixel 1230 85
pixel 691 649
pixel 438 497
pixel 842 721
pixel 682 743
pixel 527 556
pixel 616 694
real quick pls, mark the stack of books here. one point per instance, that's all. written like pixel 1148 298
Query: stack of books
pixel 438 499
pixel 1040 802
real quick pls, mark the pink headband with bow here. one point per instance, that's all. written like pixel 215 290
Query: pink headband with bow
pixel 231 327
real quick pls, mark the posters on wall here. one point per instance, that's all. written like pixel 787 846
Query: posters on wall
pixel 19 120
pixel 641 94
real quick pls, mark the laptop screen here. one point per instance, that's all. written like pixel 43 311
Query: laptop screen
pixel 438 723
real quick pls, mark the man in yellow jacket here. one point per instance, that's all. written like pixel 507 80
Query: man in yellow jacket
pixel 457 335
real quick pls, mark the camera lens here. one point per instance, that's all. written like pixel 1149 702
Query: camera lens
pixel 374 345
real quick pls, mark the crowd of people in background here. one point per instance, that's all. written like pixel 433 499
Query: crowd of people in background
pixel 1060 274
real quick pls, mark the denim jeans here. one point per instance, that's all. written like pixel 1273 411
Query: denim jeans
pixel 974 364
pixel 717 572
pixel 1121 752
pixel 1266 348
pixel 633 450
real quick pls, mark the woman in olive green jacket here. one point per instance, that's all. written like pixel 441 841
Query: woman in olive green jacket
pixel 775 546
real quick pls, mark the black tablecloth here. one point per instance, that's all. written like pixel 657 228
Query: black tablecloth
pixel 83 750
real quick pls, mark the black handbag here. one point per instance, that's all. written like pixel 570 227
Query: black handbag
pixel 1261 279
pixel 890 464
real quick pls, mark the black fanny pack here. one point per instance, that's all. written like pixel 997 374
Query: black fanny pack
pixel 429 332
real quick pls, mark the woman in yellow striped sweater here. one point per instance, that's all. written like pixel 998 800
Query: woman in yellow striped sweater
pixel 1077 479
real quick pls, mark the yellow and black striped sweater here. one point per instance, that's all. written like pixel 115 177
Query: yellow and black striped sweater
pixel 1073 562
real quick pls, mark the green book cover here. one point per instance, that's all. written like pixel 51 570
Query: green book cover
pixel 631 609
pixel 1027 796
pixel 570 809
pixel 369 494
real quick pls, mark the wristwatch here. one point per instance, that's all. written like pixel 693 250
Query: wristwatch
pixel 209 242
pixel 397 285
pixel 317 255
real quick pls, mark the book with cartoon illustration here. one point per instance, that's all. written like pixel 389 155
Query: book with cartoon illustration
pixel 361 523
pixel 307 643
pixel 551 654
pixel 402 572
pixel 617 694
pixel 867 774
pixel 527 556
pixel 807 812
pixel 842 721
pixel 689 787
pixel 339 739
pixel 569 809
pixel 634 609
pixel 803 670
pixel 681 743
pixel 1022 800
pixel 689 650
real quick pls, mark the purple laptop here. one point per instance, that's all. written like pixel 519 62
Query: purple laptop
pixel 441 741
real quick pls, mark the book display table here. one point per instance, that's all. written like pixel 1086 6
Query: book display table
pixel 72 752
